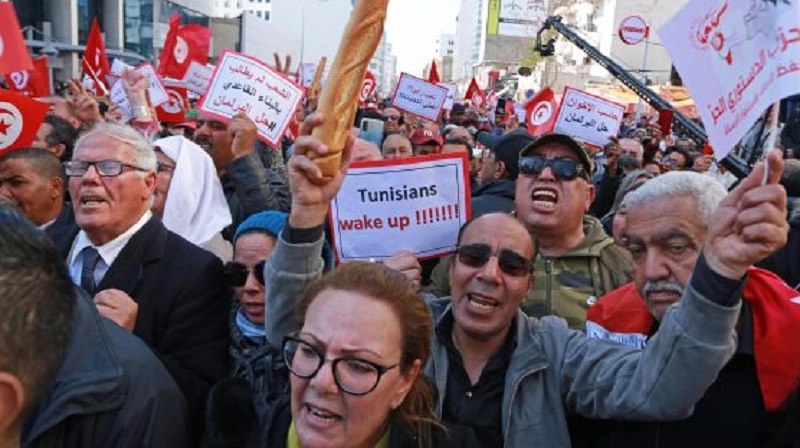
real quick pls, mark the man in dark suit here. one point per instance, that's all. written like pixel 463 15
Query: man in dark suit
pixel 167 291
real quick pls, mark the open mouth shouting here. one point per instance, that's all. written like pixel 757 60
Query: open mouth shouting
pixel 482 304
pixel 544 198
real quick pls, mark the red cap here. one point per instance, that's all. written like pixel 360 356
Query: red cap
pixel 425 136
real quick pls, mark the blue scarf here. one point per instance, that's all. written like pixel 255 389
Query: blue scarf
pixel 249 329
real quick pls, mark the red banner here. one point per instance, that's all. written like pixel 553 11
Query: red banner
pixel 20 118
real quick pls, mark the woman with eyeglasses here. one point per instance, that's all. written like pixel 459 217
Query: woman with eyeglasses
pixel 355 367
pixel 349 377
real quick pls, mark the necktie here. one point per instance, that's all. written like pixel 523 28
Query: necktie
pixel 90 260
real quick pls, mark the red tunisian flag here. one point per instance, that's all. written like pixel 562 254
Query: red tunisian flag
pixel 183 45
pixel 33 83
pixel 541 112
pixel 175 108
pixel 433 76
pixel 20 118
pixel 14 55
pixel 95 63
pixel 474 94
pixel 368 86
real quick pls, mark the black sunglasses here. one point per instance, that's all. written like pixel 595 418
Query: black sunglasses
pixel 563 169
pixel 510 262
pixel 237 273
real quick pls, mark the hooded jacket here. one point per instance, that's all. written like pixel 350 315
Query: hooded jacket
pixel 567 285
pixel 111 391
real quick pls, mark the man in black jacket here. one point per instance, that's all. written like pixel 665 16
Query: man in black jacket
pixel 250 186
pixel 167 291
pixel 37 302
pixel 499 171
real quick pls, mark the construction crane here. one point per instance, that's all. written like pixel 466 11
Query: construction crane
pixel 739 163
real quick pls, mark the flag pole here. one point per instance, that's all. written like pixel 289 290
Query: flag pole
pixel 93 74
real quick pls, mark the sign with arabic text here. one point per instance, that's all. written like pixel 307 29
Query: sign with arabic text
pixel 452 91
pixel 588 117
pixel 245 84
pixel 419 97
pixel 198 77
pixel 737 57
pixel 415 204
pixel 158 95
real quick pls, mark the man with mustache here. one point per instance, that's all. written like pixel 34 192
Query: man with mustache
pixel 668 220
pixel 250 186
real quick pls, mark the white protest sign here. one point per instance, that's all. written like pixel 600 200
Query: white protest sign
pixel 198 77
pixel 118 67
pixel 737 57
pixel 452 90
pixel 158 95
pixel 417 204
pixel 419 97
pixel 118 97
pixel 245 84
pixel 588 117
pixel 519 110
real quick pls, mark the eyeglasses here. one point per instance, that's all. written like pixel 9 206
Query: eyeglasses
pixel 563 169
pixel 510 262
pixel 105 168
pixel 392 117
pixel 237 273
pixel 352 375
pixel 162 167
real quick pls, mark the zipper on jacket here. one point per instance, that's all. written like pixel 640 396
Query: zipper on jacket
pixel 548 304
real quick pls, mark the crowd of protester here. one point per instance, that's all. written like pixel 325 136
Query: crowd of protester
pixel 173 285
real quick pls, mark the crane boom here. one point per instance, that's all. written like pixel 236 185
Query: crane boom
pixel 735 164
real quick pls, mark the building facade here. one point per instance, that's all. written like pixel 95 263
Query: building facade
pixel 134 30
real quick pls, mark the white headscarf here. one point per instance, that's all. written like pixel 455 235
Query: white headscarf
pixel 195 208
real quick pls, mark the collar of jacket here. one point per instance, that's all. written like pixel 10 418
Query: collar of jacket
pixel 90 380
pixel 527 358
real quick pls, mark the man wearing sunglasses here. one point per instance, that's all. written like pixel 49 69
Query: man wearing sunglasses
pixel 515 378
pixel 393 120
pixel 165 290
pixel 577 261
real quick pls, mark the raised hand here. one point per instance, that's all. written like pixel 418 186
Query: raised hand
pixel 243 134
pixel 311 193
pixel 405 262
pixel 750 223
pixel 82 103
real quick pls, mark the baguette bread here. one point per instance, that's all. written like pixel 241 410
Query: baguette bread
pixel 338 101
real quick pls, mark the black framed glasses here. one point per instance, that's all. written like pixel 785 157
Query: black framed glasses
pixel 391 117
pixel 237 273
pixel 352 375
pixel 477 255
pixel 563 169
pixel 105 168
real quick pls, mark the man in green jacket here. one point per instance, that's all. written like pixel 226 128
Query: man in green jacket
pixel 576 261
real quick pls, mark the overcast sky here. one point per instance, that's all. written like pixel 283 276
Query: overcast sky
pixel 413 26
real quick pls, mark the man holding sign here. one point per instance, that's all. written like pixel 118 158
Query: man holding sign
pixel 483 344
pixel 249 186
